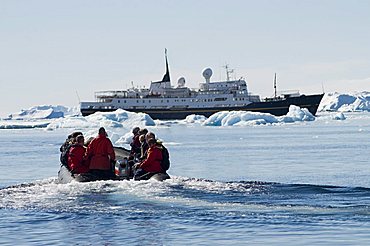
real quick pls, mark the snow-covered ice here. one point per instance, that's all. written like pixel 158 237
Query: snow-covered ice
pixel 237 118
pixel 44 112
pixel 118 118
pixel 359 101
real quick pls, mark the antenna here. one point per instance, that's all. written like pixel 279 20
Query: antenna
pixel 275 86
pixel 322 87
pixel 78 97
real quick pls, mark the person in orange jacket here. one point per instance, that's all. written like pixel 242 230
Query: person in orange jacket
pixel 76 162
pixel 101 154
pixel 152 164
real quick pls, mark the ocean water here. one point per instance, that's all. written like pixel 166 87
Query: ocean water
pixel 305 183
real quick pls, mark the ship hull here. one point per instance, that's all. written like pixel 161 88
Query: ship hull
pixel 274 107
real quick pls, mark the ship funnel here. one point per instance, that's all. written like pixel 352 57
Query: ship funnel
pixel 207 73
pixel 166 77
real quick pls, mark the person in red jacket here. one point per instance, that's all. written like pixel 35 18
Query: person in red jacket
pixel 101 154
pixel 152 163
pixel 76 162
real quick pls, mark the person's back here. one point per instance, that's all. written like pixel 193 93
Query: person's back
pixel 100 152
pixel 165 162
pixel 76 154
pixel 154 157
pixel 66 146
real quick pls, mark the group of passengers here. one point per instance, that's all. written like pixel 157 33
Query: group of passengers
pixel 148 151
pixel 97 157
pixel 94 157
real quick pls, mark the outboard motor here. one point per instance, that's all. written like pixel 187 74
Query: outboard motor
pixel 122 169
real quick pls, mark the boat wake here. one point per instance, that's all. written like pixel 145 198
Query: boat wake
pixel 182 192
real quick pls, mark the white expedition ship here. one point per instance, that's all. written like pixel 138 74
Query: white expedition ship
pixel 164 101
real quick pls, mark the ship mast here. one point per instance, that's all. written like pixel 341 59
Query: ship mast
pixel 275 96
pixel 228 72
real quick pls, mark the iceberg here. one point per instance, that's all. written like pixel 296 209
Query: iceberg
pixel 43 112
pixel 335 101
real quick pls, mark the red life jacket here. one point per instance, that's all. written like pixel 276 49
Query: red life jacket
pixel 153 161
pixel 76 162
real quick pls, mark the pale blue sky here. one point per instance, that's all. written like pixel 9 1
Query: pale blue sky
pixel 51 49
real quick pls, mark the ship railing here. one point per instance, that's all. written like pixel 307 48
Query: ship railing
pixel 215 92
pixel 110 94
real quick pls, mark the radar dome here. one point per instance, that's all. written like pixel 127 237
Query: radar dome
pixel 207 73
pixel 181 82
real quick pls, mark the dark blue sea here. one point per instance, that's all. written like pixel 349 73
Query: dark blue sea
pixel 305 183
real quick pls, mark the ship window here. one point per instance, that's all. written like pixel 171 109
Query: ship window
pixel 124 101
pixel 119 101
pixel 143 101
pixel 168 100
pixel 137 101
pixel 150 101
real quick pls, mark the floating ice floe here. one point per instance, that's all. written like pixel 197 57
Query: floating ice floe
pixel 193 118
pixel 237 118
pixel 22 125
pixel 345 102
pixel 116 119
